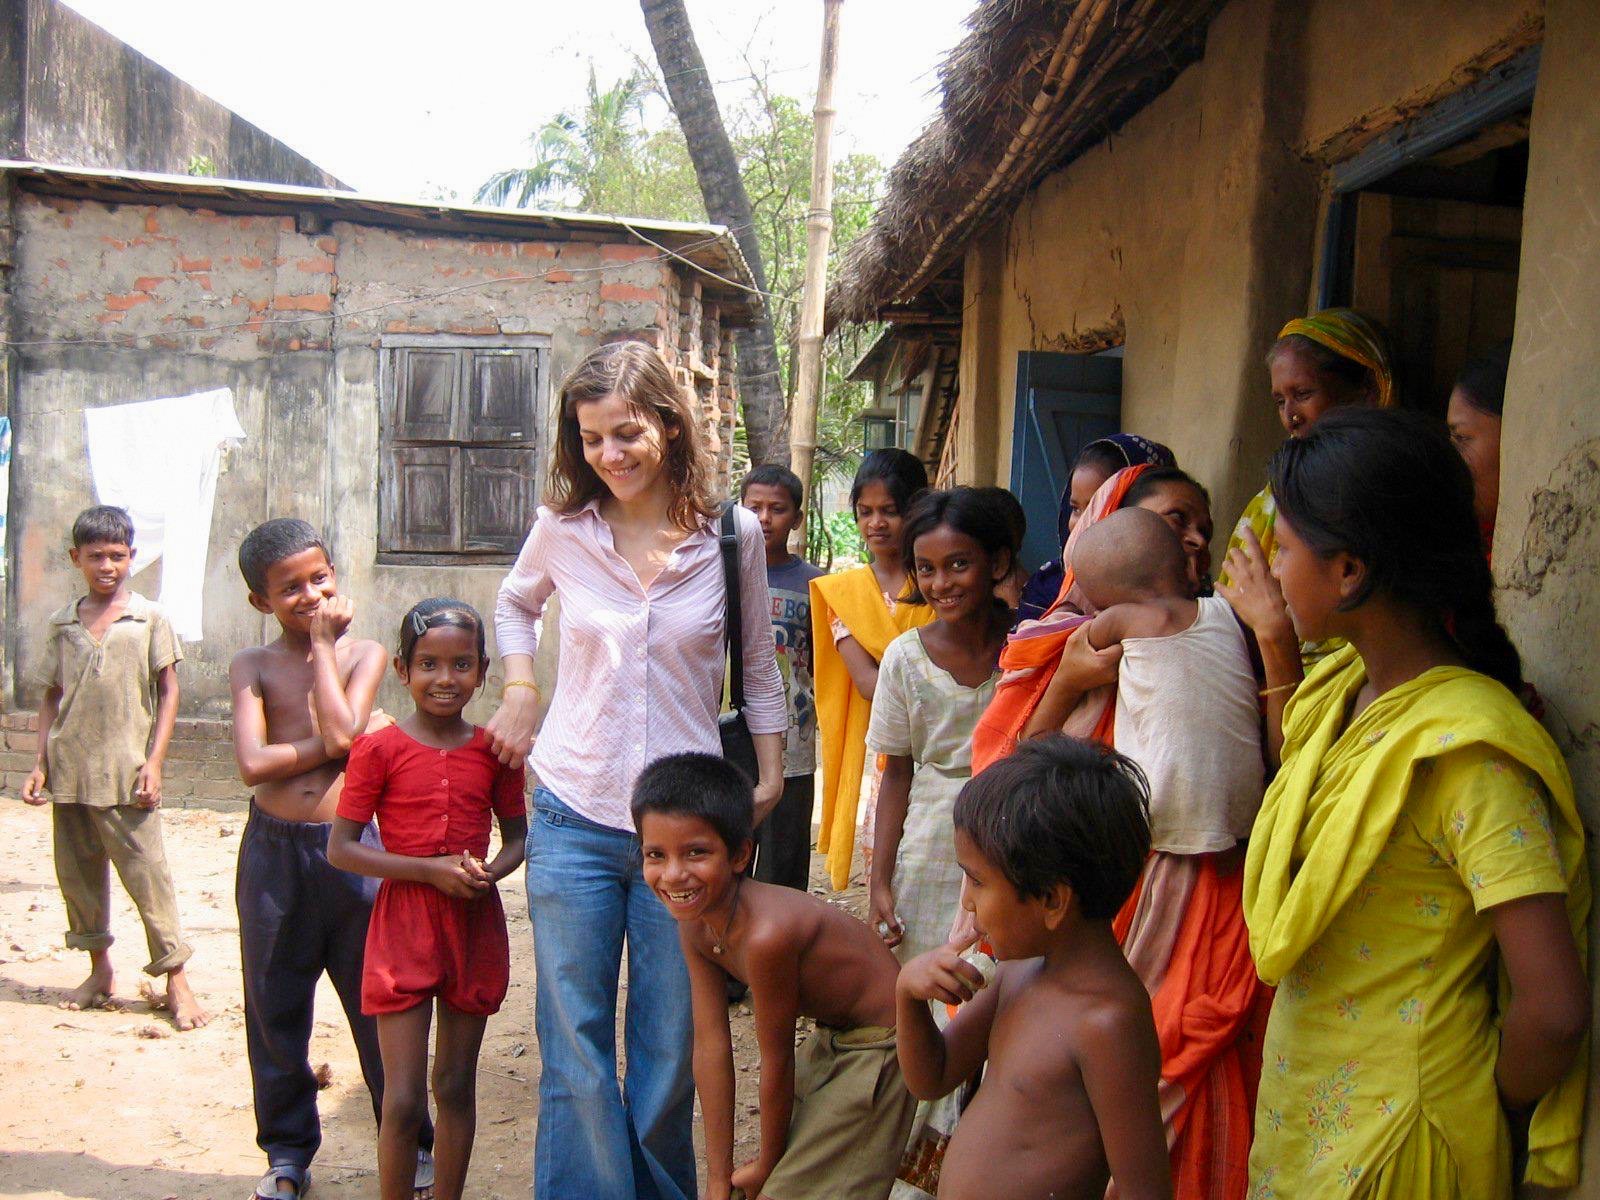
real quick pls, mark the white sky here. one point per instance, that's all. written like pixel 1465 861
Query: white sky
pixel 400 97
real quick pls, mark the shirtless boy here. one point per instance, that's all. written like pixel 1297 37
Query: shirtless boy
pixel 834 1115
pixel 1051 841
pixel 298 704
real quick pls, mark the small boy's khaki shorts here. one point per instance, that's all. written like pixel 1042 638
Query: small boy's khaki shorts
pixel 852 1116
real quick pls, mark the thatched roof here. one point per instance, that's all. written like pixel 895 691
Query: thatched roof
pixel 1034 84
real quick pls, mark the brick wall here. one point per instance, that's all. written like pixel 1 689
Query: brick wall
pixel 200 769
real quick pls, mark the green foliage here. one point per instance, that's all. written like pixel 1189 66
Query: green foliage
pixel 832 537
pixel 201 165
pixel 608 159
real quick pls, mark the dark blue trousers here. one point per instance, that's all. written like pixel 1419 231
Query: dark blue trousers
pixel 299 917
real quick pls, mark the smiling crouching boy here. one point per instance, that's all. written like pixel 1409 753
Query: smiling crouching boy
pixel 834 1115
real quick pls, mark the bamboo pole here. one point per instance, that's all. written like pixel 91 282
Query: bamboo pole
pixel 819 230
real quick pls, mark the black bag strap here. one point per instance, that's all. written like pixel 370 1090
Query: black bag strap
pixel 734 634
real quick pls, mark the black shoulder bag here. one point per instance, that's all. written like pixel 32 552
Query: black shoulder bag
pixel 738 747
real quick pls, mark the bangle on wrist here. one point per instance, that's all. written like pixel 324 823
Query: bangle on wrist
pixel 519 683
pixel 1282 687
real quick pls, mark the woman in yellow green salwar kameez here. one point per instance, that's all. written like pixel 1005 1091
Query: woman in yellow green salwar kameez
pixel 1421 829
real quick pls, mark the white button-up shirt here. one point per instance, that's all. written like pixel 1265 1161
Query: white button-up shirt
pixel 641 669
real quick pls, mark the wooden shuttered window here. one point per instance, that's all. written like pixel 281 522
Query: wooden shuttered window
pixel 459 469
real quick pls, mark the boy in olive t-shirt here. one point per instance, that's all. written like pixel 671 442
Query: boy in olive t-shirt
pixel 110 674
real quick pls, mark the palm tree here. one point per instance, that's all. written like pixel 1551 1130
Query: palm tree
pixel 576 157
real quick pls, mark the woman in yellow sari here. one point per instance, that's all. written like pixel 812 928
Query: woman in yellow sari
pixel 1422 828
pixel 1336 358
pixel 854 616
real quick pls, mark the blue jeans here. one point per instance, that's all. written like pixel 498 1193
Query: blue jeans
pixel 585 895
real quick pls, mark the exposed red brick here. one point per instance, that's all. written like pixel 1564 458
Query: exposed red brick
pixel 151 225
pixel 203 280
pixel 537 250
pixel 474 330
pixel 122 303
pixel 315 266
pixel 626 292
pixel 109 318
pixel 626 252
pixel 407 327
pixel 250 262
pixel 316 302
pixel 114 243
pixel 193 264
pixel 62 263
pixel 493 249
pixel 556 275
pixel 328 245
pixel 149 283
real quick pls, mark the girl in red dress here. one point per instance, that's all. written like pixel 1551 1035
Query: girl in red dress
pixel 437 930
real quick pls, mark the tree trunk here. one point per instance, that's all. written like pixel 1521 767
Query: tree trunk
pixel 717 169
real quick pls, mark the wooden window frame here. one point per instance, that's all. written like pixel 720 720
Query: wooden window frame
pixel 453 443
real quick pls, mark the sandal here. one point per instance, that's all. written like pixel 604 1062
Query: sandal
pixel 298 1177
pixel 422 1182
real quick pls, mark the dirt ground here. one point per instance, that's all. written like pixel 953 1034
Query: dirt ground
pixel 115 1103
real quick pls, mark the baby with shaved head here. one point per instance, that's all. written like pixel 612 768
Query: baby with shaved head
pixel 1132 559
pixel 1186 693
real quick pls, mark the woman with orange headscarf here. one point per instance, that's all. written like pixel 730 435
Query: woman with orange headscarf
pixel 1183 929
pixel 1332 359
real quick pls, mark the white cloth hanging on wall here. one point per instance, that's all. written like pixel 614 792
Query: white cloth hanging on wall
pixel 159 460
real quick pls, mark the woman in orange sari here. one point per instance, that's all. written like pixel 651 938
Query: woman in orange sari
pixel 1183 929
pixel 854 616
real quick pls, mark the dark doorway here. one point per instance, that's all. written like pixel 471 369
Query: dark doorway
pixel 1425 231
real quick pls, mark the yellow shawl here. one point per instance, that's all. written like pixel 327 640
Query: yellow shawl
pixel 842 712
pixel 1352 788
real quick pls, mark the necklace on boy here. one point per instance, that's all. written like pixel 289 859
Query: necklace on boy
pixel 718 947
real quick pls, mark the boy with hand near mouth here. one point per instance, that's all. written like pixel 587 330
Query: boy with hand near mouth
pixel 110 674
pixel 1051 840
pixel 299 702
pixel 835 1115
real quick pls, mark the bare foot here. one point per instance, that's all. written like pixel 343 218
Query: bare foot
pixel 93 992
pixel 181 1003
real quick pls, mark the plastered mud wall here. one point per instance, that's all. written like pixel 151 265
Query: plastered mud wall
pixel 1547 537
pixel 1189 235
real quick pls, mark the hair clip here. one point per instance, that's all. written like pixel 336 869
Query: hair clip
pixel 419 623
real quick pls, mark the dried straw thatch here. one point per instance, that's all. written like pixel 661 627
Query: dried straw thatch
pixel 1033 85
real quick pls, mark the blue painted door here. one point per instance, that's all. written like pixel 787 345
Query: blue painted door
pixel 1064 402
